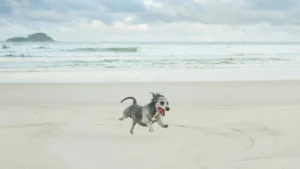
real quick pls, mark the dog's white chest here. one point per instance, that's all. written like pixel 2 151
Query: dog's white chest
pixel 146 116
pixel 155 116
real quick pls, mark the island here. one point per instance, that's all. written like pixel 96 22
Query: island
pixel 36 37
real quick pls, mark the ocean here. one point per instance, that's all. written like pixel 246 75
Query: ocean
pixel 166 61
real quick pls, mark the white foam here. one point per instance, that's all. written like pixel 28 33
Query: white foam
pixel 150 55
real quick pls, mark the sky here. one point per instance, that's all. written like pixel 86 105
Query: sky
pixel 152 20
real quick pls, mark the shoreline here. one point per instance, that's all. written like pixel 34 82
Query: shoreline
pixel 142 75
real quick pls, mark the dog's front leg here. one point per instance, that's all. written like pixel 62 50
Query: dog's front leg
pixel 150 127
pixel 159 121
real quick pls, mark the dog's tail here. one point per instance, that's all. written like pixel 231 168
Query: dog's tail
pixel 134 100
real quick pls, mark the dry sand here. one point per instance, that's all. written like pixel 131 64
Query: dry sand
pixel 212 125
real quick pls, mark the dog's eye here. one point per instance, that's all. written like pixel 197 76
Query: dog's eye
pixel 162 103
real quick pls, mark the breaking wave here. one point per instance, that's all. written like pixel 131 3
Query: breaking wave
pixel 112 49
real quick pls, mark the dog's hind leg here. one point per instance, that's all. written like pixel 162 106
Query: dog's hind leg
pixel 126 113
pixel 132 127
pixel 122 118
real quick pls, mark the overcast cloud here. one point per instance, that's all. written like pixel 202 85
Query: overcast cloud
pixel 153 20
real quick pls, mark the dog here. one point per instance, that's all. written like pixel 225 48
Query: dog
pixel 148 114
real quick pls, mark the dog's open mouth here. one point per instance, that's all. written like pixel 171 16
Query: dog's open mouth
pixel 161 111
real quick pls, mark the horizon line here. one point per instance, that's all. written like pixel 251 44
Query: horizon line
pixel 160 42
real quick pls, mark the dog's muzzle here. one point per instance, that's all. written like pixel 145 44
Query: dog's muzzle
pixel 161 111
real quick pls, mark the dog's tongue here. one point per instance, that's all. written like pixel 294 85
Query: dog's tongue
pixel 161 111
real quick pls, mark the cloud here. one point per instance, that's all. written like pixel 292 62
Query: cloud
pixel 224 11
pixel 204 11
pixel 278 5
pixel 173 18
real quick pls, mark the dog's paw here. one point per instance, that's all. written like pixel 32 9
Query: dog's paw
pixel 165 126
pixel 151 130
pixel 131 132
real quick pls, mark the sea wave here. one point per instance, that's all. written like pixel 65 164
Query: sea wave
pixel 254 59
pixel 41 47
pixel 112 49
pixel 17 55
pixel 136 63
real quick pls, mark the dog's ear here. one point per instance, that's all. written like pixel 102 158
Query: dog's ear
pixel 158 94
pixel 154 97
pixel 153 94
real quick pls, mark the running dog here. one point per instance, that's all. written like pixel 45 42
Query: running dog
pixel 148 114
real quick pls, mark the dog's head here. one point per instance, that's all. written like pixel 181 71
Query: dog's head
pixel 161 103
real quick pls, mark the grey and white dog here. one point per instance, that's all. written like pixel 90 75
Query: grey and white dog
pixel 148 114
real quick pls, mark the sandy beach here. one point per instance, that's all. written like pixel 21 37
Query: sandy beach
pixel 212 125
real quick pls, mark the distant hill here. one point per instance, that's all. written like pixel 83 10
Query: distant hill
pixel 36 37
